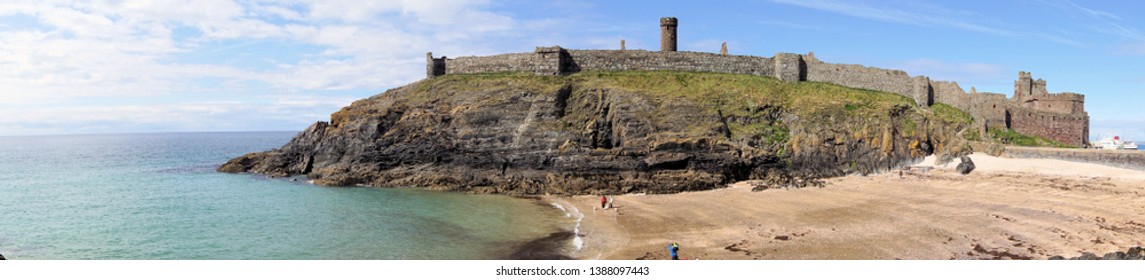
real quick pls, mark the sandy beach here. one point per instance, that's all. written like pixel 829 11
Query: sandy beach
pixel 1005 209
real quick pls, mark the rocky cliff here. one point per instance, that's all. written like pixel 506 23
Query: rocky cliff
pixel 610 132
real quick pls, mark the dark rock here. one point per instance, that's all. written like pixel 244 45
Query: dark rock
pixel 1135 253
pixel 995 149
pixel 582 134
pixel 1113 256
pixel 1055 258
pixel 2 257
pixel 1087 256
pixel 966 166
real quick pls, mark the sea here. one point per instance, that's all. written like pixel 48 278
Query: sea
pixel 158 197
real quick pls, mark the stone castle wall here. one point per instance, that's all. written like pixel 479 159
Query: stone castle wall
pixel 1032 110
pixel 678 61
pixel 1067 103
pixel 1072 129
pixel 1123 159
pixel 858 76
pixel 530 62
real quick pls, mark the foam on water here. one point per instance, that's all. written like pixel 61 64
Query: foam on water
pixel 562 208
pixel 578 242
pixel 572 212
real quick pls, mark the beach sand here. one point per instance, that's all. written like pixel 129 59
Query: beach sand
pixel 1005 209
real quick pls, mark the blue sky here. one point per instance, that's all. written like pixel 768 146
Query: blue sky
pixel 234 65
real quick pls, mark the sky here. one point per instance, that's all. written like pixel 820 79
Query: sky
pixel 124 66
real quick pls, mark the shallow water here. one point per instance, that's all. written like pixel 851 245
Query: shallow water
pixel 157 196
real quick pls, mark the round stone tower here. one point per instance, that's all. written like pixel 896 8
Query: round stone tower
pixel 668 34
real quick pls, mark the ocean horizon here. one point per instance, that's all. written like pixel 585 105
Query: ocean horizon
pixel 157 196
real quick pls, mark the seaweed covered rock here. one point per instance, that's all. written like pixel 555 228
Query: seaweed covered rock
pixel 607 132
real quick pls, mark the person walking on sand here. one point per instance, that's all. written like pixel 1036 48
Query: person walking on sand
pixel 603 201
pixel 674 249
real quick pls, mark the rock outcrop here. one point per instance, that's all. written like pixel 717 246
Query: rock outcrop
pixel 1134 253
pixel 965 166
pixel 607 132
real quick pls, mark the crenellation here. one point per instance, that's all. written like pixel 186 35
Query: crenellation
pixel 1031 110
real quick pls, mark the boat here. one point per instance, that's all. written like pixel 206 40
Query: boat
pixel 1115 143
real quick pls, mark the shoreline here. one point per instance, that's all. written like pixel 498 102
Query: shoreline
pixel 592 240
pixel 1006 209
pixel 557 245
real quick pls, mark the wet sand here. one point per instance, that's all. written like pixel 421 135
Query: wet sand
pixel 1005 209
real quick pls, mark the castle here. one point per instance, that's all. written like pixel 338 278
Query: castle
pixel 1032 110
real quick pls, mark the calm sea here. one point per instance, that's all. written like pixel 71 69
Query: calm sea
pixel 157 196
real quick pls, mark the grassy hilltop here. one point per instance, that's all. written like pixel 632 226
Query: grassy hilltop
pixel 594 132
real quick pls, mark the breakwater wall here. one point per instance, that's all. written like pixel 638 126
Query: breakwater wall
pixel 1116 158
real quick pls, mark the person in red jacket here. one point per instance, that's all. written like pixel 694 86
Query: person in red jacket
pixel 603 200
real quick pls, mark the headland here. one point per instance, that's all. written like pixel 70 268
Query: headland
pixel 570 125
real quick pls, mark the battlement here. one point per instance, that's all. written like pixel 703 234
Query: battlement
pixel 1032 93
pixel 1031 110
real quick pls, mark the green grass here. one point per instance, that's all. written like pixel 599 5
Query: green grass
pixel 739 93
pixel 753 100
pixel 748 97
pixel 972 135
pixel 950 114
pixel 1011 137
pixel 769 134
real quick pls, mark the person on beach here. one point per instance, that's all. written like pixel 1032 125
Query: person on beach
pixel 674 249
pixel 603 202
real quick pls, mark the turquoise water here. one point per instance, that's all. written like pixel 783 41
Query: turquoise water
pixel 157 196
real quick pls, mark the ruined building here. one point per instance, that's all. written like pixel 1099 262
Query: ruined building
pixel 1032 110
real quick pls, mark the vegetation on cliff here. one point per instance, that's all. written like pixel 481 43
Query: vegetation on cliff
pixel 1011 137
pixel 610 132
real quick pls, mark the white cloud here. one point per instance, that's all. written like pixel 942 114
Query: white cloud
pixel 1132 48
pixel 934 17
pixel 921 14
pixel 966 74
pixel 1101 21
pixel 787 24
pixel 116 49
pixel 282 111
pixel 1130 129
